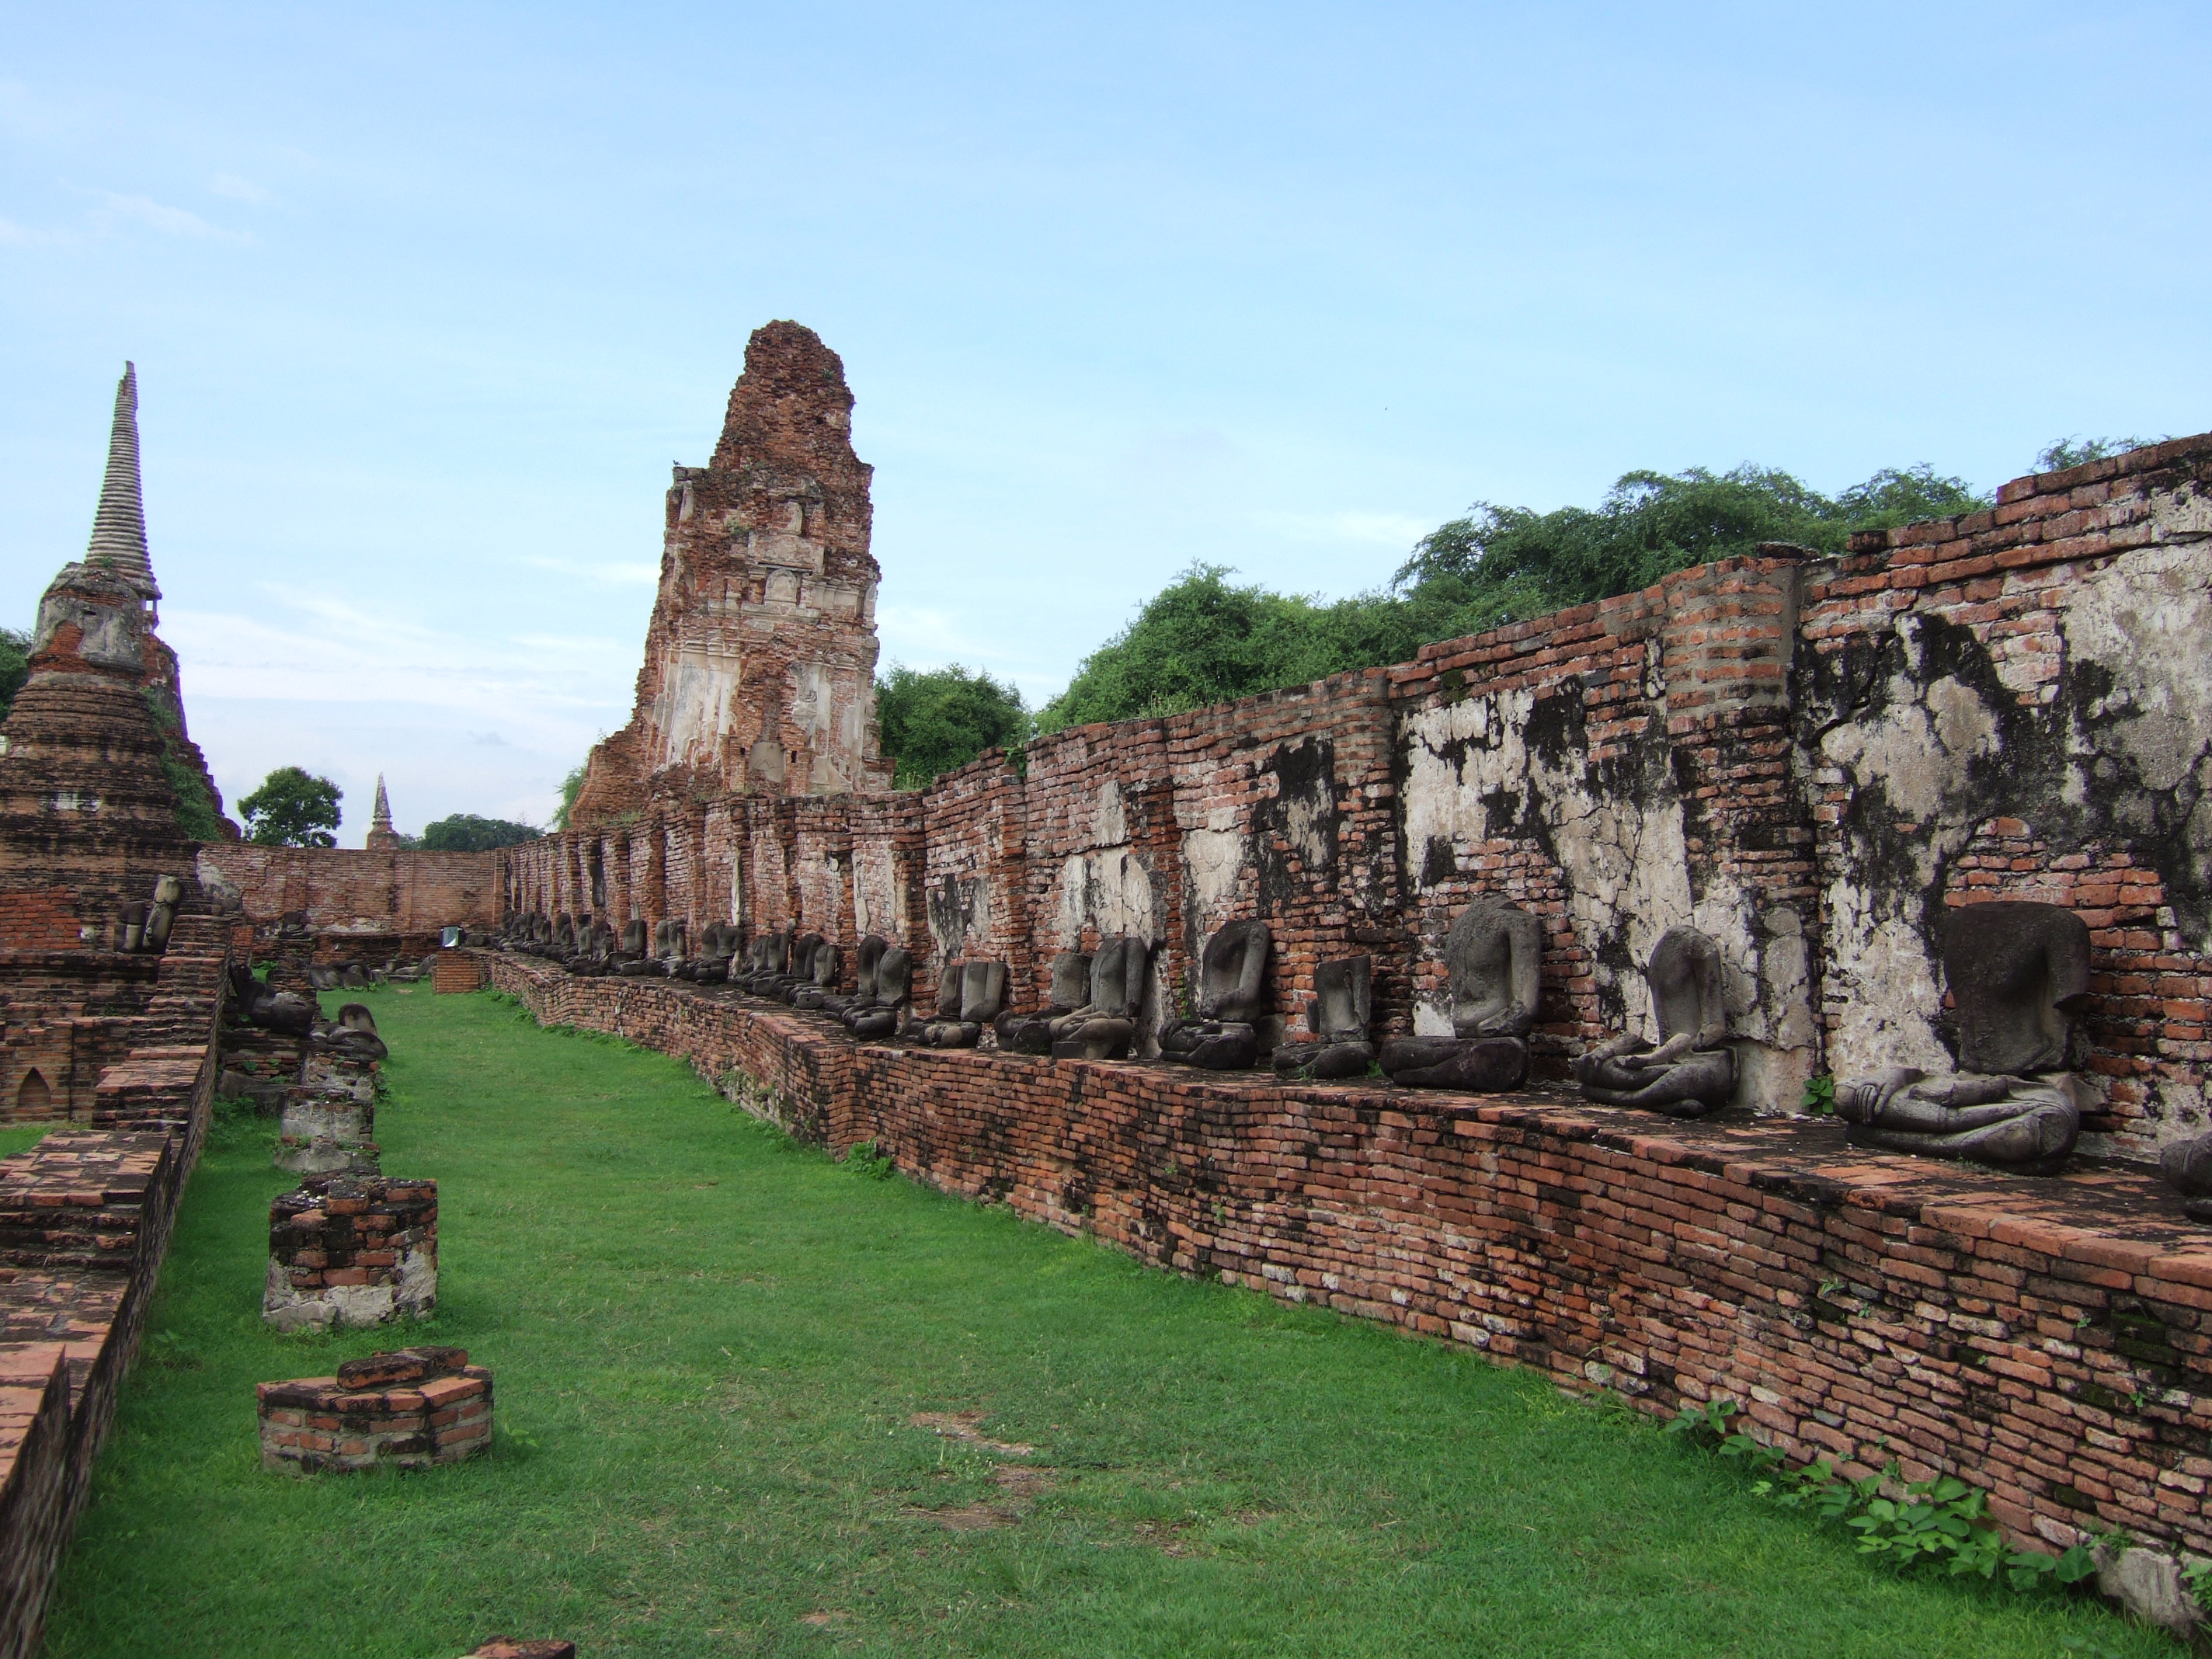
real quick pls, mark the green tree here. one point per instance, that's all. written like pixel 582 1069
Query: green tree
pixel 935 719
pixel 1203 639
pixel 465 832
pixel 292 808
pixel 571 786
pixel 2076 452
pixel 15 665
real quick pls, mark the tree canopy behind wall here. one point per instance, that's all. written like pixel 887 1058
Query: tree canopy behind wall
pixel 1203 639
pixel 935 719
pixel 292 808
pixel 15 665
pixel 465 832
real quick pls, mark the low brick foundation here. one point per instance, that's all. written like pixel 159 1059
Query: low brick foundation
pixel 345 1250
pixel 411 1409
pixel 456 971
pixel 85 1219
pixel 2050 1340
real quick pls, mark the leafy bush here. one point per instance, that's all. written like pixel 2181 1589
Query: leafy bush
pixel 1941 1522
pixel 465 832
pixel 571 786
pixel 15 665
pixel 1203 639
pixel 936 720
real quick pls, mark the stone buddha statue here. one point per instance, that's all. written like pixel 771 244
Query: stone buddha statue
pixel 821 977
pixel 1231 992
pixel 1693 1069
pixel 1031 1033
pixel 1105 1027
pixel 978 991
pixel 2018 971
pixel 886 1015
pixel 1493 964
pixel 866 955
pixel 1343 1003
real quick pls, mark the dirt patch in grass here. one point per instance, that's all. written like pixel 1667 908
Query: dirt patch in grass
pixel 961 1426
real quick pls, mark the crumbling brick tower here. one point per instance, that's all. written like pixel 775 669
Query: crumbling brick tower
pixel 92 754
pixel 759 673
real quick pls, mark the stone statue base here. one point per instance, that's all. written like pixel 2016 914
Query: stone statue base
pixel 1097 1039
pixel 2026 1123
pixel 1217 1046
pixel 1025 1034
pixel 1689 1085
pixel 1348 1058
pixel 1485 1066
pixel 953 1033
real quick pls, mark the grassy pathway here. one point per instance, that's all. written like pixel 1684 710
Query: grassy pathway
pixel 711 1345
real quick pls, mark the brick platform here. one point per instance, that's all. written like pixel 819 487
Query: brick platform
pixel 2048 1339
pixel 411 1409
pixel 352 1251
pixel 455 971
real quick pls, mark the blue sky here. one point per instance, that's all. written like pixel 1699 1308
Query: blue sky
pixel 425 300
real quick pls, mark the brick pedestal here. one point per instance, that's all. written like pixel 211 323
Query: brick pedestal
pixel 456 971
pixel 413 1409
pixel 347 1250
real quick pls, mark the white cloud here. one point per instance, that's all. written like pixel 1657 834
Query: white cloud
pixel 239 189
pixel 170 221
pixel 14 235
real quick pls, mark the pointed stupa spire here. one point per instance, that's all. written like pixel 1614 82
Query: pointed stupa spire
pixel 119 528
pixel 381 836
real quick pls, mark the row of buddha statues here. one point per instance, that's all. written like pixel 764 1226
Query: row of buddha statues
pixel 2017 972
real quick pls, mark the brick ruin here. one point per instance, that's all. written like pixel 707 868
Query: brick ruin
pixel 760 660
pixel 1811 760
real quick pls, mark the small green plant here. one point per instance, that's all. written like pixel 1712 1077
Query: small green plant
pixel 1819 1096
pixel 1939 1522
pixel 862 1160
pixel 1705 1426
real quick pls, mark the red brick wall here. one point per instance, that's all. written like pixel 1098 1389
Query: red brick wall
pixel 398 892
pixel 1791 753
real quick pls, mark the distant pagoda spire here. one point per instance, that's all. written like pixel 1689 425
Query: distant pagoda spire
pixel 119 528
pixel 380 832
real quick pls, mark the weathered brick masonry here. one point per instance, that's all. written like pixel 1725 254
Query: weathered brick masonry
pixel 85 1219
pixel 2050 1339
pixel 1809 759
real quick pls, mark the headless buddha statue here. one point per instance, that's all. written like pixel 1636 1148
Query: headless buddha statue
pixel 1232 990
pixel 1493 960
pixel 1692 1070
pixel 2017 972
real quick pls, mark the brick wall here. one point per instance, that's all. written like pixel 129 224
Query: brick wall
pixel 2051 1342
pixel 85 1219
pixel 378 894
pixel 1793 754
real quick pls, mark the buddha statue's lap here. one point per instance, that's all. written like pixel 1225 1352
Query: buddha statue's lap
pixel 2017 972
pixel 1690 1069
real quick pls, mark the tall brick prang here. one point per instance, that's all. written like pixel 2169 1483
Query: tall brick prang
pixel 760 660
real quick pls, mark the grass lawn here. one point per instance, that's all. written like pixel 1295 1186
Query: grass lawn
pixel 711 1345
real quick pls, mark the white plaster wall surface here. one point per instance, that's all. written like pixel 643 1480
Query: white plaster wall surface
pixel 1885 987
pixel 1625 868
pixel 1113 889
pixel 2146 621
pixel 698 684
